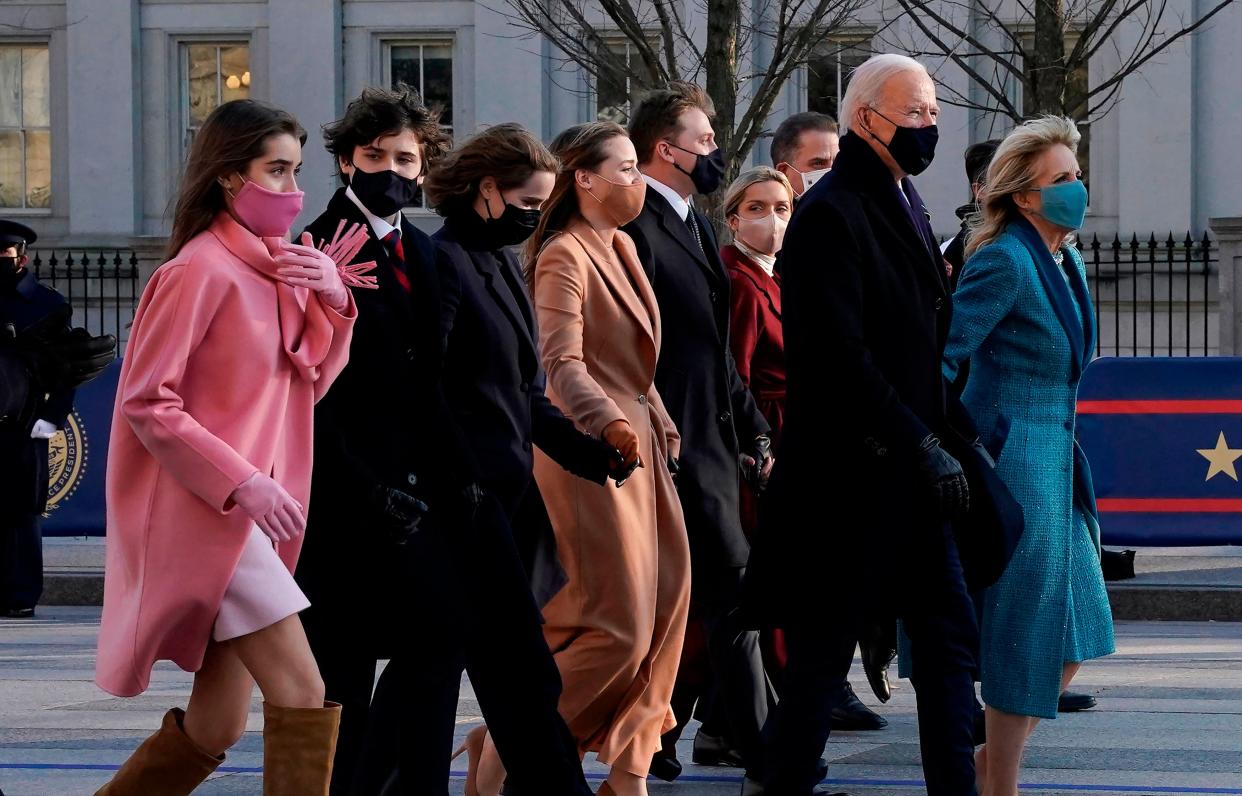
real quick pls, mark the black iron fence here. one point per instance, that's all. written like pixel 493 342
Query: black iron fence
pixel 101 285
pixel 1154 297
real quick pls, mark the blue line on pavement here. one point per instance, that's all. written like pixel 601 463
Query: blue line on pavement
pixel 889 783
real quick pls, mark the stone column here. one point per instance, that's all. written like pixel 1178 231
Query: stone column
pixel 304 78
pixel 1228 233
pixel 104 112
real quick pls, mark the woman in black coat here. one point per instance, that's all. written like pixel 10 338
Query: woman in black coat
pixel 489 191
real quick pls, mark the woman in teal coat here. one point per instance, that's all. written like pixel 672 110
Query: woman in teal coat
pixel 1023 317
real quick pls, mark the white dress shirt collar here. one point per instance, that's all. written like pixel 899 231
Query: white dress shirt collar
pixel 381 226
pixel 680 206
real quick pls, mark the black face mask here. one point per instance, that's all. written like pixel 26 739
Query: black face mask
pixel 708 171
pixel 514 226
pixel 10 272
pixel 383 192
pixel 913 148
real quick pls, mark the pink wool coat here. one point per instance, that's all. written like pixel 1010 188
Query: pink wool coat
pixel 223 369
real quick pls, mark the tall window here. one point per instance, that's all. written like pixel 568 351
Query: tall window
pixel 1076 88
pixel 213 73
pixel 426 66
pixel 25 127
pixel 615 94
pixel 828 72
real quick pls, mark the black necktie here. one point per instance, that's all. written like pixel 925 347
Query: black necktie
pixel 694 228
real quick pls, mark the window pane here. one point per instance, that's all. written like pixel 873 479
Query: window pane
pixel 612 96
pixel 201 78
pixel 828 74
pixel 235 64
pixel 34 87
pixel 10 86
pixel 38 169
pixel 407 66
pixel 438 79
pixel 11 185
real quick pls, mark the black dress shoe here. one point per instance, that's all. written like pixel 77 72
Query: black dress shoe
pixel 713 750
pixel 1072 702
pixel 665 766
pixel 877 655
pixel 17 613
pixel 852 715
pixel 753 787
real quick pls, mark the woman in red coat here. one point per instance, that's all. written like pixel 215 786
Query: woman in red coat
pixel 757 208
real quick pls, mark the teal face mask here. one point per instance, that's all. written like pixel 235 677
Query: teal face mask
pixel 1065 204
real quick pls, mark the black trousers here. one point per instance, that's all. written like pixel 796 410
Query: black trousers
pixel 487 624
pixel 21 559
pixel 938 616
pixel 736 696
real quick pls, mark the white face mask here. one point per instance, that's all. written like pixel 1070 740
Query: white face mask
pixel 762 235
pixel 809 178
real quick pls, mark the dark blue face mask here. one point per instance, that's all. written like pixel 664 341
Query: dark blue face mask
pixel 912 148
pixel 1065 204
pixel 708 171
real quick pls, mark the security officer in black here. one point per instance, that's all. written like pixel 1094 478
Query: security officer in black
pixel 24 304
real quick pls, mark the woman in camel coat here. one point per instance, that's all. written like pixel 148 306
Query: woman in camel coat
pixel 616 629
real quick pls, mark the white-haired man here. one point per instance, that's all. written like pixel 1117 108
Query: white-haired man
pixel 862 478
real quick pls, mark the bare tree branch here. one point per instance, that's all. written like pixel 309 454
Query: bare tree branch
pixel 1096 25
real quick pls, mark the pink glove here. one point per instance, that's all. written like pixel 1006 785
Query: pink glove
pixel 276 513
pixel 343 247
pixel 305 266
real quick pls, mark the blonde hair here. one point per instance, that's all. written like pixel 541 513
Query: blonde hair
pixel 737 190
pixel 1012 171
pixel 867 83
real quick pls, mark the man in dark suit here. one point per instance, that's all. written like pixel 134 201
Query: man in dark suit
pixel 862 480
pixel 24 303
pixel 978 158
pixel 382 447
pixel 719 422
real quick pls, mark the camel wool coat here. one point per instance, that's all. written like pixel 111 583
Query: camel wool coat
pixel 223 369
pixel 616 628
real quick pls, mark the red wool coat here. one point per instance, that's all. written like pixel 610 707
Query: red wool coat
pixel 223 370
pixel 758 343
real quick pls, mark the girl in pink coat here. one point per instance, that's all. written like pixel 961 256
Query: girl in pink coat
pixel 235 339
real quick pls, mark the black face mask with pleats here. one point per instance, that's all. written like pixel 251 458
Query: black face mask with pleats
pixel 383 192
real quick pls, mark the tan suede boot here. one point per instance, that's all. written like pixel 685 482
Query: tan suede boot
pixel 298 747
pixel 166 764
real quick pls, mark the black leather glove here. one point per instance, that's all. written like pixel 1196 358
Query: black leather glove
pixel 402 512
pixel 983 452
pixel 943 477
pixel 469 499
pixel 754 462
pixel 618 470
pixel 674 466
pixel 59 358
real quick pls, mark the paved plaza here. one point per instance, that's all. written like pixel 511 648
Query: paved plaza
pixel 1169 721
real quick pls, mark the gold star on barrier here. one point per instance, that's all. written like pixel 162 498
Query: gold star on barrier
pixel 1222 458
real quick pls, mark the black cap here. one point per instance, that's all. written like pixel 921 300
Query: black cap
pixel 978 158
pixel 13 233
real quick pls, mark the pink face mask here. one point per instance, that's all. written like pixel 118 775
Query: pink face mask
pixel 266 213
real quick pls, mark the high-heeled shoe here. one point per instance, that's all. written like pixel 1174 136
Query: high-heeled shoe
pixel 473 747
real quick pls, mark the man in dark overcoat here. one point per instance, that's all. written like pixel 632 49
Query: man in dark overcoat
pixel 862 488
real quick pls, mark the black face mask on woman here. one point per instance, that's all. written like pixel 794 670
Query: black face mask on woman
pixel 513 226
pixel 383 192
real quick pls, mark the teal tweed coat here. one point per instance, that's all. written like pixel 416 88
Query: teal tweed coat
pixel 1029 331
